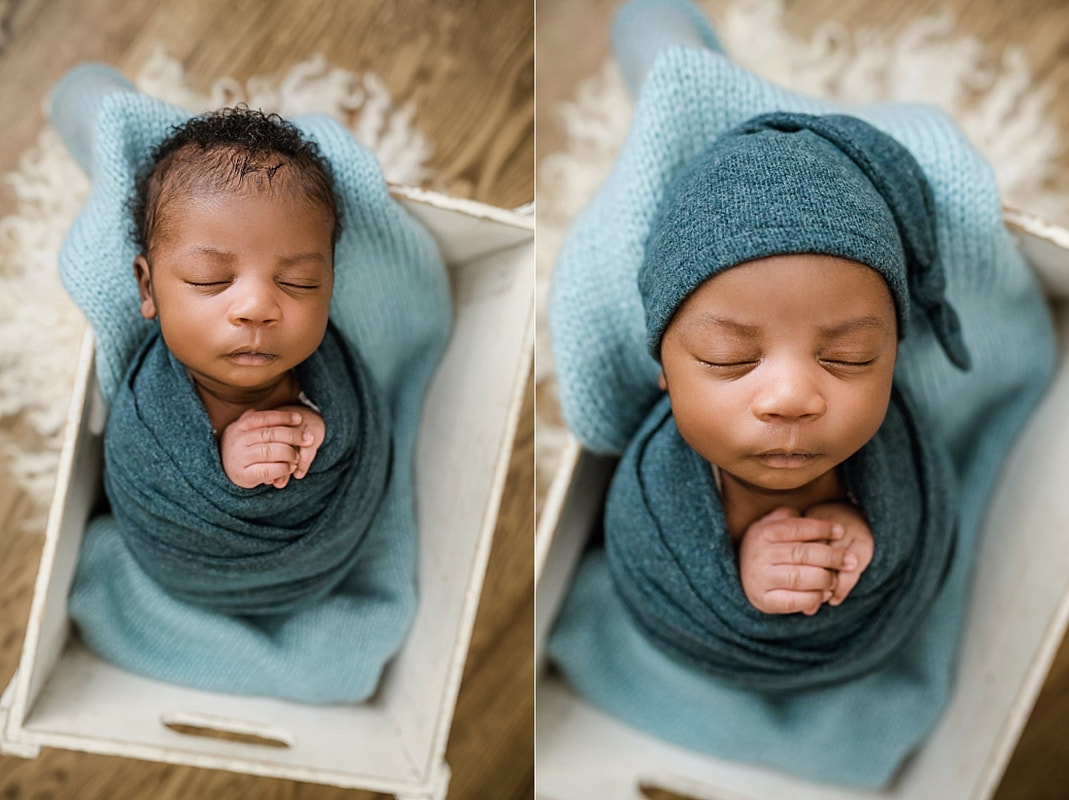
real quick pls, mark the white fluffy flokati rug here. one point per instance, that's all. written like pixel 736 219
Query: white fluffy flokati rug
pixel 996 103
pixel 40 329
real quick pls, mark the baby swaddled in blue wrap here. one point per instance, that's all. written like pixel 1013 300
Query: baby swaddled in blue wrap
pixel 844 343
pixel 264 364
pixel 801 185
pixel 213 543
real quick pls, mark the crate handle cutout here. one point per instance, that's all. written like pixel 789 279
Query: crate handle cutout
pixel 654 789
pixel 191 723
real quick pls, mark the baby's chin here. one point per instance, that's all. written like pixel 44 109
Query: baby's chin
pixel 241 378
pixel 782 479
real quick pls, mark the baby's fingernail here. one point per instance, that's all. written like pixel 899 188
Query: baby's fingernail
pixel 850 561
pixel 835 602
pixel 295 418
pixel 308 437
pixel 837 529
pixel 299 474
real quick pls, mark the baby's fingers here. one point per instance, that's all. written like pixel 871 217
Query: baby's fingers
pixel 305 456
pixel 801 578
pixel 270 472
pixel 814 554
pixel 844 584
pixel 271 452
pixel 785 601
pixel 799 529
pixel 252 420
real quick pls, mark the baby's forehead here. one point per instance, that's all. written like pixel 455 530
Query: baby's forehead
pixel 191 174
pixel 217 216
pixel 817 284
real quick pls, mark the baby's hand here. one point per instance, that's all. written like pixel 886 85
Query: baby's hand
pixel 269 446
pixel 789 563
pixel 856 539
pixel 314 430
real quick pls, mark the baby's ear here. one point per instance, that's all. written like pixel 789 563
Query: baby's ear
pixel 144 287
pixel 662 382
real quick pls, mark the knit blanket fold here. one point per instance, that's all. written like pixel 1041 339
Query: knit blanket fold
pixel 674 566
pixel 251 551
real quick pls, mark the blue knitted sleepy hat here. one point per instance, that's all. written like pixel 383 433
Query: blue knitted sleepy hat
pixel 797 183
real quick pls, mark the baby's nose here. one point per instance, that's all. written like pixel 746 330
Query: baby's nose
pixel 789 394
pixel 256 304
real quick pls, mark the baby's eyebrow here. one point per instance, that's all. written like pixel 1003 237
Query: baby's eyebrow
pixel 212 252
pixel 709 319
pixel 849 326
pixel 297 258
pixel 226 257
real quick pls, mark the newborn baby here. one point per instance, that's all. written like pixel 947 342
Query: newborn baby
pixel 784 470
pixel 778 370
pixel 237 220
pixel 245 390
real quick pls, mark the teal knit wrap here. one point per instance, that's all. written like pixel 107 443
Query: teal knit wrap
pixel 220 546
pixel 673 563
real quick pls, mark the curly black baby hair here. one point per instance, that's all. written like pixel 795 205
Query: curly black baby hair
pixel 227 149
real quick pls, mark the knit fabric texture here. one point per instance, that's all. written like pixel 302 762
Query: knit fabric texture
pixel 215 544
pixel 858 731
pixel 798 183
pixel 673 565
pixel 391 304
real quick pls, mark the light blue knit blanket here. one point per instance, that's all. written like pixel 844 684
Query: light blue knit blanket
pixel 859 731
pixel 391 303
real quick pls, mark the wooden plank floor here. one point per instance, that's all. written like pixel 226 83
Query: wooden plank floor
pixel 468 66
pixel 573 43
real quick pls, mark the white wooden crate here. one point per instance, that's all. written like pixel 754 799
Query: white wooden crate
pixel 1017 616
pixel 64 696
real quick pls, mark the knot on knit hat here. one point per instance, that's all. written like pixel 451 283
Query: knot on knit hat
pixel 786 183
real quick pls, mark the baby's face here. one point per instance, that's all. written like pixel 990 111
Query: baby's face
pixel 780 369
pixel 241 283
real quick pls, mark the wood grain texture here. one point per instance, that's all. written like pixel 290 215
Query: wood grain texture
pixel 573 42
pixel 467 66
